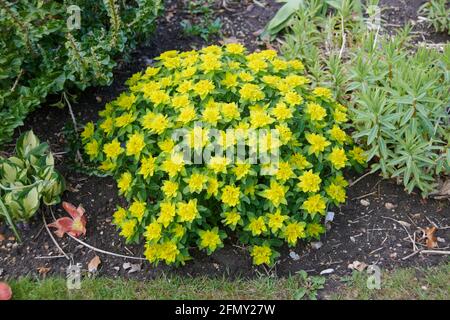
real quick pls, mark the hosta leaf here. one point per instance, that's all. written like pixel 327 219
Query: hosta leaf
pixel 10 172
pixel 30 202
pixel 26 142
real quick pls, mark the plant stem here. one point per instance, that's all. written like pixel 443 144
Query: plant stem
pixel 9 219
pixel 20 187
pixel 75 126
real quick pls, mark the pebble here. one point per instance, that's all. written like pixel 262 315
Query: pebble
pixel 316 245
pixel 390 206
pixel 327 271
pixel 365 202
pixel 294 256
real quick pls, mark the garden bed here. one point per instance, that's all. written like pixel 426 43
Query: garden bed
pixel 372 232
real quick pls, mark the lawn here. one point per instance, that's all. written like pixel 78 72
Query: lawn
pixel 410 283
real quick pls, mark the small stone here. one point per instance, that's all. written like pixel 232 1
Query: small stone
pixel 365 202
pixel 126 265
pixel 316 245
pixel 294 256
pixel 390 206
pixel 327 271
pixel 329 217
pixel 135 268
pixel 116 268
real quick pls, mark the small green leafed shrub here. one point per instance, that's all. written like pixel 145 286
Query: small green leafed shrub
pixel 41 55
pixel 27 178
pixel 174 204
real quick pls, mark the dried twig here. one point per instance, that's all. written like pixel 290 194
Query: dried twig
pixel 104 251
pixel 364 196
pixel 17 81
pixel 50 257
pixel 360 178
pixel 409 235
pixel 435 251
pixel 75 126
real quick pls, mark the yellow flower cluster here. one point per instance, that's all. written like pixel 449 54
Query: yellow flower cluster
pixel 175 204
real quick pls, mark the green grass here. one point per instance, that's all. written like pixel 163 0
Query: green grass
pixel 432 283
pixel 161 288
pixel 403 284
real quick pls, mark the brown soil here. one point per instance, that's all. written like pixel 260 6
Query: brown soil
pixel 364 233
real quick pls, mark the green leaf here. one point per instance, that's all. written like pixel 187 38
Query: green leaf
pixel 30 202
pixel 281 18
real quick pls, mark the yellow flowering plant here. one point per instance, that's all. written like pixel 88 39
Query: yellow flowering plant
pixel 174 203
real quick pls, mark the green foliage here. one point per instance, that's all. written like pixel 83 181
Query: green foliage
pixel 310 286
pixel 202 23
pixel 398 96
pixel 283 16
pixel 437 13
pixel 39 55
pixel 27 178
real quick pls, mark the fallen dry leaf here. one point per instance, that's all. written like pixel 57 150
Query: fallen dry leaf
pixel 430 237
pixel 443 192
pixel 93 264
pixel 356 265
pixel 229 40
pixel 43 270
pixel 75 226
pixel 2 237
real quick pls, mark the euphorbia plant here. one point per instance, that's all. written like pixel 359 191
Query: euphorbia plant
pixel 175 204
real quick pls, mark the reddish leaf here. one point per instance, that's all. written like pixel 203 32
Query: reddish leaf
pixel 63 225
pixel 75 226
pixel 5 291
pixel 431 239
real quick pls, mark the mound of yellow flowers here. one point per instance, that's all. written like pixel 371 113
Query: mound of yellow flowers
pixel 175 204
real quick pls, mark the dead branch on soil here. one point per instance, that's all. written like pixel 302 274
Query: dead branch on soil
pixel 359 179
pixel 75 126
pixel 413 240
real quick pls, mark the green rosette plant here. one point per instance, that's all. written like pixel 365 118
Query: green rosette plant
pixel 27 178
pixel 175 204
